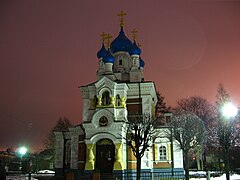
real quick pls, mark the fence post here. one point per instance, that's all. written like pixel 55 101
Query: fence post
pixel 208 175
pixel 29 176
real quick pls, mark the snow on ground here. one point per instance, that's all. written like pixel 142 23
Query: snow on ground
pixel 19 178
pixel 34 176
pixel 46 171
pixel 222 177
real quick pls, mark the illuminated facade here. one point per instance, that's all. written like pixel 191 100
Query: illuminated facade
pixel 98 144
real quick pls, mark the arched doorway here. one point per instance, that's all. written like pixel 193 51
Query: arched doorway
pixel 105 152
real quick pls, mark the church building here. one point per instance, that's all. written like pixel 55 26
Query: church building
pixel 98 145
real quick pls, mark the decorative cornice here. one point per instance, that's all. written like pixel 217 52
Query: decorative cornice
pixel 105 82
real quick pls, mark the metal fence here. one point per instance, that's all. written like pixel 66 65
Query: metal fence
pixel 101 176
pixel 133 175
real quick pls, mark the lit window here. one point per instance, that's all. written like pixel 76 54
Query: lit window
pixel 162 153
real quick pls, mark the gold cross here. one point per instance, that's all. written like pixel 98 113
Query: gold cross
pixel 108 37
pixel 134 32
pixel 121 14
pixel 103 35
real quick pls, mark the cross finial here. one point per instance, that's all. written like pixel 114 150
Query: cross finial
pixel 108 37
pixel 134 32
pixel 121 15
pixel 103 35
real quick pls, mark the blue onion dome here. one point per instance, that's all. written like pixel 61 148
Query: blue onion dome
pixel 142 63
pixel 121 43
pixel 135 49
pixel 108 57
pixel 101 52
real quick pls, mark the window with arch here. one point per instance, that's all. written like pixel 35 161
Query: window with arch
pixel 103 121
pixel 101 64
pixel 120 62
pixel 118 100
pixel 106 98
pixel 134 61
pixel 162 153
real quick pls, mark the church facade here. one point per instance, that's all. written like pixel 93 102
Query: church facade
pixel 98 144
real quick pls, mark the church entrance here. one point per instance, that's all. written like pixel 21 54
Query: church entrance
pixel 105 152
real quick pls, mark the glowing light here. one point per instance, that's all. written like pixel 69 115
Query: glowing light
pixel 229 110
pixel 22 150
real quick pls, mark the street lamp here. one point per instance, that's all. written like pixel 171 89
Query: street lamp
pixel 22 151
pixel 228 111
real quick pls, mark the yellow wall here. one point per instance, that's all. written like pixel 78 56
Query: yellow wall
pixel 162 165
pixel 132 165
pixel 133 161
pixel 131 156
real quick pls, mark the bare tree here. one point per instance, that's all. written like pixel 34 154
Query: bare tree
pixel 198 106
pixel 228 129
pixel 189 131
pixel 206 112
pixel 140 132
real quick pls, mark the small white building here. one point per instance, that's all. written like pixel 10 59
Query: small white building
pixel 97 145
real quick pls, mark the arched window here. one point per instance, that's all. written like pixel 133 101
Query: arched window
pixel 105 98
pixel 120 62
pixel 162 153
pixel 103 121
pixel 118 100
pixel 101 64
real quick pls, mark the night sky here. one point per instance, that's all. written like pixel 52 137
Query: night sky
pixel 48 49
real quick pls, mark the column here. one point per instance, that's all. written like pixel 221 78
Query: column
pixel 75 132
pixel 118 164
pixel 59 153
pixel 122 101
pixel 99 103
pixel 112 101
pixel 59 145
pixel 90 157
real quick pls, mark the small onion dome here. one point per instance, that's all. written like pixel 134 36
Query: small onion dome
pixel 135 49
pixel 142 63
pixel 121 43
pixel 101 52
pixel 108 57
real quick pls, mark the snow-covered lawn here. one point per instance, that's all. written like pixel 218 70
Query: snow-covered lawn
pixel 22 177
pixel 223 177
pixel 202 174
pixel 34 176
